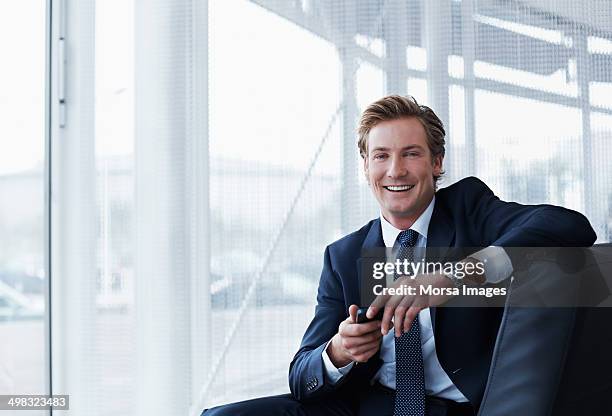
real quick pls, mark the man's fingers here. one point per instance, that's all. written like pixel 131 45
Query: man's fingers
pixel 353 313
pixel 409 317
pixel 360 349
pixel 403 322
pixel 398 319
pixel 356 330
pixel 379 302
pixel 417 306
pixel 351 319
pixel 351 342
pixel 386 323
pixel 389 312
pixel 365 356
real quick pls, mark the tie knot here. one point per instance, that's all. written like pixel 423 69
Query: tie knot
pixel 408 238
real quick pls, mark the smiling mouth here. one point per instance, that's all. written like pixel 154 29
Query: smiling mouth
pixel 398 188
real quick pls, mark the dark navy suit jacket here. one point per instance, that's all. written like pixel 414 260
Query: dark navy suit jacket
pixel 466 214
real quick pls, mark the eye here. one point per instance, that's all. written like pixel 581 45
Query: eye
pixel 380 156
pixel 412 154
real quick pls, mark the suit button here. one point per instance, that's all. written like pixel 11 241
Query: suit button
pixel 315 381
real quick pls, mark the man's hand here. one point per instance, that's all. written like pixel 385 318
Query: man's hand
pixel 354 342
pixel 404 308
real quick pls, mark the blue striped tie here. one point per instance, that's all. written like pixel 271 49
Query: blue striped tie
pixel 410 381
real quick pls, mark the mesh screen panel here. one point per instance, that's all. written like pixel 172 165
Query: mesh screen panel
pixel 507 78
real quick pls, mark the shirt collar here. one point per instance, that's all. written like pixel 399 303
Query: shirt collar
pixel 421 225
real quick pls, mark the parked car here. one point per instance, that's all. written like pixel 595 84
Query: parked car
pixel 10 310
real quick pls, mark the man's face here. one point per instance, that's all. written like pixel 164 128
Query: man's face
pixel 400 170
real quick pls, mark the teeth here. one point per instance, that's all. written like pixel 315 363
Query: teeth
pixel 399 188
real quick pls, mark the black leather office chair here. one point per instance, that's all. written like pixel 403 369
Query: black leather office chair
pixel 554 360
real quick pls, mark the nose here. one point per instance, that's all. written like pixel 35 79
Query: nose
pixel 397 168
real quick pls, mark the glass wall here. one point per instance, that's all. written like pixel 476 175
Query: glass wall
pixel 23 282
pixel 513 83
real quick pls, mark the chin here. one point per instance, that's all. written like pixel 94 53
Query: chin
pixel 402 212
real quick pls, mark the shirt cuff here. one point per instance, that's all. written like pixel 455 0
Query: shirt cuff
pixel 497 264
pixel 334 374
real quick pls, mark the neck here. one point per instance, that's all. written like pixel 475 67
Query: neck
pixel 401 223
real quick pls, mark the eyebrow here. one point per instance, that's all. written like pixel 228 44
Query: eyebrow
pixel 386 149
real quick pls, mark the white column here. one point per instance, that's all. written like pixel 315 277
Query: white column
pixel 73 209
pixel 396 41
pixel 437 32
pixel 350 186
pixel 162 129
pixel 468 46
pixel 583 74
pixel 199 203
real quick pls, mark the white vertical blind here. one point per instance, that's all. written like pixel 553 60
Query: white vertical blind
pixel 161 256
pixel 130 228
pixel 73 224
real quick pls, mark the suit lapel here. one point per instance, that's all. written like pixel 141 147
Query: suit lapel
pixel 373 240
pixel 440 235
pixel 441 232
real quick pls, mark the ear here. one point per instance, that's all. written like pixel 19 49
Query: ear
pixel 437 165
pixel 366 169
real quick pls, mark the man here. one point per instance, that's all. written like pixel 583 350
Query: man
pixel 417 359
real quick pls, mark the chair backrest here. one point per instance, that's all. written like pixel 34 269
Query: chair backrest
pixel 551 361
pixel 586 384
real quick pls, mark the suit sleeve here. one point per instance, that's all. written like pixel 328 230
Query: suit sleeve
pixel 307 373
pixel 509 224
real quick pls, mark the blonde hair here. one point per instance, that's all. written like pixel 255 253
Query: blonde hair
pixel 394 107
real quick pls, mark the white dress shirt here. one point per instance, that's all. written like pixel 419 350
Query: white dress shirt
pixel 437 383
